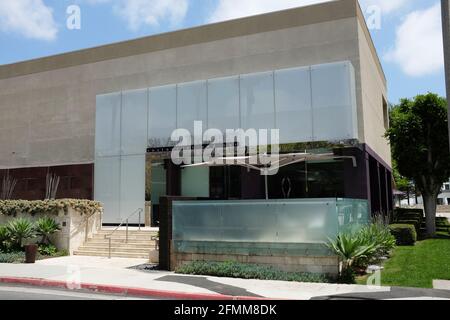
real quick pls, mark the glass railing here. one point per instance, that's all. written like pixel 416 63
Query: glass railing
pixel 302 221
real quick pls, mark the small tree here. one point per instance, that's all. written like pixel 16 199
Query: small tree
pixel 420 146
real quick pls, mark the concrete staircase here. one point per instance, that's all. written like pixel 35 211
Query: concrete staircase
pixel 139 244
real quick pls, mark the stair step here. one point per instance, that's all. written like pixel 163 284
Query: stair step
pixel 130 232
pixel 116 249
pixel 139 244
pixel 122 242
pixel 113 254
pixel 118 245
pixel 120 236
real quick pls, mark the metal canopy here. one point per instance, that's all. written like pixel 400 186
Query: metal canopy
pixel 258 163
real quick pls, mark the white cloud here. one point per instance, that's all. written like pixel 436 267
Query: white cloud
pixel 418 48
pixel 138 13
pixel 231 9
pixel 30 18
pixel 387 6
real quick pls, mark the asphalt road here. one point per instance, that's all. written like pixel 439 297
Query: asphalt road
pixel 12 292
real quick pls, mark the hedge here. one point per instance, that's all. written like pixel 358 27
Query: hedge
pixel 232 269
pixel 405 234
pixel 415 223
pixel 13 207
pixel 402 211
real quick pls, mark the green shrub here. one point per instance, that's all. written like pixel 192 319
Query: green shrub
pixel 414 215
pixel 405 234
pixel 399 212
pixel 62 253
pixel 45 227
pixel 4 237
pixel 19 230
pixel 415 223
pixel 48 250
pixel 379 235
pixel 247 271
pixel 15 257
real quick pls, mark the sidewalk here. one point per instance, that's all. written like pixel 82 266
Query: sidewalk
pixel 114 276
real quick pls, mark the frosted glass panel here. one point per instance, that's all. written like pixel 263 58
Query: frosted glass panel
pixel 132 185
pixel 306 221
pixel 134 122
pixel 162 115
pixel 293 105
pixel 107 125
pixel 333 103
pixel 257 101
pixel 107 187
pixel 195 182
pixel 223 103
pixel 273 221
pixel 352 214
pixel 191 105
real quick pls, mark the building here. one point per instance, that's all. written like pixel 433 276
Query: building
pixel 313 72
pixel 443 197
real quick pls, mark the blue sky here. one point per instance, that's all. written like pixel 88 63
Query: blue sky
pixel 406 33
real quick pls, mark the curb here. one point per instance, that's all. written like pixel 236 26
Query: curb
pixel 126 291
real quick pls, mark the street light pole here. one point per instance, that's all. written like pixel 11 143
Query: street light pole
pixel 445 7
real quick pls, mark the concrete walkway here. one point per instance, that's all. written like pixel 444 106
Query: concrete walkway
pixel 116 273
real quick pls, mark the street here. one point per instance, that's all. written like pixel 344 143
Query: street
pixel 12 292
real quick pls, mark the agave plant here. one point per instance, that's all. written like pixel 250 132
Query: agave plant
pixel 19 230
pixel 45 227
pixel 350 248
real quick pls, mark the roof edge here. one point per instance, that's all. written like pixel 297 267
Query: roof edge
pixel 323 12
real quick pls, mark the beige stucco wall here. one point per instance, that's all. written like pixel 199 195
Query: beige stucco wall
pixel 373 92
pixel 48 117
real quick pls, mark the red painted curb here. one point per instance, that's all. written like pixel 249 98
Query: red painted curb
pixel 123 290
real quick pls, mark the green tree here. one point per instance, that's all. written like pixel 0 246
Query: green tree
pixel 420 146
pixel 403 184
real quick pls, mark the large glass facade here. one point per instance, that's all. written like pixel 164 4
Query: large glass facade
pixel 306 104
pixel 257 101
pixel 121 141
pixel 293 101
pixel 162 115
pixel 334 108
pixel 223 103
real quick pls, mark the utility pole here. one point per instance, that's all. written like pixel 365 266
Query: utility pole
pixel 445 7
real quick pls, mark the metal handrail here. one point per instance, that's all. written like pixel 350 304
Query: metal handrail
pixel 125 221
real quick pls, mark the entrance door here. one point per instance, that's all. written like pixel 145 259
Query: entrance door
pixel 156 186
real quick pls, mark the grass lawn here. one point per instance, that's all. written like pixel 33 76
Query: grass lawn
pixel 417 266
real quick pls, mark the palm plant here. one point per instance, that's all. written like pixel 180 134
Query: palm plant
pixel 45 227
pixel 20 230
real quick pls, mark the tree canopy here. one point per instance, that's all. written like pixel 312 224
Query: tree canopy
pixel 419 140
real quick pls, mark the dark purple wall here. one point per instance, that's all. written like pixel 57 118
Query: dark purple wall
pixel 76 181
